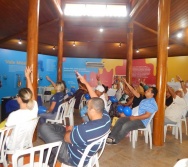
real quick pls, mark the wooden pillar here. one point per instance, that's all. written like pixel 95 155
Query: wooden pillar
pixel 32 43
pixel 60 49
pixel 32 40
pixel 129 53
pixel 163 37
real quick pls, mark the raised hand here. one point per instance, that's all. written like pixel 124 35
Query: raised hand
pixel 178 78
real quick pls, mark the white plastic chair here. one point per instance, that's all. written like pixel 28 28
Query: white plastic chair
pixel 32 152
pixel 182 163
pixel 59 116
pixel 183 119
pixel 147 133
pixel 69 112
pixel 4 133
pixel 108 106
pixel 82 102
pixel 20 138
pixel 94 160
pixel 178 129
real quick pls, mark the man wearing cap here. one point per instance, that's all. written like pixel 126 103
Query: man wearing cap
pixel 99 91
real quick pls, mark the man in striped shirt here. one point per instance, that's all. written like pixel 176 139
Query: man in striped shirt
pixel 77 138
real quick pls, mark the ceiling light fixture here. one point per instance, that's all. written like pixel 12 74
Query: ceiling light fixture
pixel 20 41
pixel 120 44
pixel 179 35
pixel 101 29
pixel 74 43
pixel 53 47
pixel 137 51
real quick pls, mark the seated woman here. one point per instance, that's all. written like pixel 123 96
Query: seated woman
pixel 28 106
pixel 55 101
pixel 78 94
pixel 138 94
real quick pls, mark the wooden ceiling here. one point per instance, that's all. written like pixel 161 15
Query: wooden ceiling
pixel 84 30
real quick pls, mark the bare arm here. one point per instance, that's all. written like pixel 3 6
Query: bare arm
pixel 89 88
pixel 171 91
pixel 141 117
pixel 182 84
pixel 67 135
pixel 98 79
pixel 135 93
pixel 28 72
pixel 53 84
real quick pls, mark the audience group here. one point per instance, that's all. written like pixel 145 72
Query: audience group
pixel 96 115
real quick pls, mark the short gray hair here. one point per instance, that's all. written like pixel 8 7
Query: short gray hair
pixel 97 104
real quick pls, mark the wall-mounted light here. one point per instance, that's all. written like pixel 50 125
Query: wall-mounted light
pixel 20 41
pixel 137 51
pixel 74 43
pixel 120 44
pixel 168 47
pixel 53 47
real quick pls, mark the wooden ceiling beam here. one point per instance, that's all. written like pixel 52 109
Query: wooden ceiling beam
pixel 137 8
pixel 25 31
pixel 145 28
pixel 57 5
pixel 155 32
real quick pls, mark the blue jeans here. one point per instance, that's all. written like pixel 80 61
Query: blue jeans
pixel 123 126
pixel 53 133
pixel 45 116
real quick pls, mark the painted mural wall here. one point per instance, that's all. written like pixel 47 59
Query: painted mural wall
pixel 12 65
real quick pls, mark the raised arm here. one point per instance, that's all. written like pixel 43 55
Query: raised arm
pixel 134 92
pixel 28 71
pixel 53 84
pixel 182 84
pixel 171 91
pixel 98 79
pixel 89 88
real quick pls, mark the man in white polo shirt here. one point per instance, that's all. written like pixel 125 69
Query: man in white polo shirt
pixel 173 112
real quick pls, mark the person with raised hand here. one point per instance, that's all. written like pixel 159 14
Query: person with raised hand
pixel 26 100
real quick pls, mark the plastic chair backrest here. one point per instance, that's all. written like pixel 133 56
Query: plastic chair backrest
pixel 108 105
pixel 70 109
pixel 39 150
pixel 61 110
pixel 82 99
pixel 4 133
pixel 101 144
pixel 151 117
pixel 22 135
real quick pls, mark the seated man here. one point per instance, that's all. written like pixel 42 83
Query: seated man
pixel 77 138
pixel 174 111
pixel 126 124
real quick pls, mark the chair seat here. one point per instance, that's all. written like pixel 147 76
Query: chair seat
pixel 178 129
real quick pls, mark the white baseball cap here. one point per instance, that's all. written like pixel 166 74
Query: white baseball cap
pixel 100 88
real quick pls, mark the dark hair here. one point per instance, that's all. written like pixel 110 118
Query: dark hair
pixel 97 104
pixel 105 88
pixel 154 91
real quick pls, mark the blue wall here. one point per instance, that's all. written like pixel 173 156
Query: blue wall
pixel 13 63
